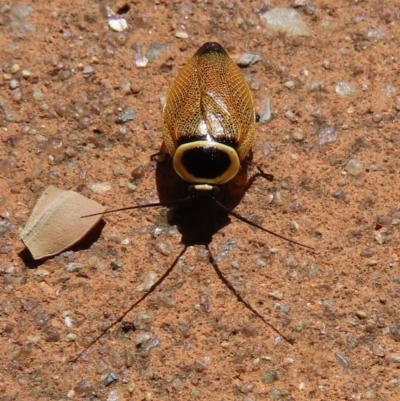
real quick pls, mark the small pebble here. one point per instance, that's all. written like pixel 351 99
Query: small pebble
pixel 396 332
pixel 270 376
pixel 361 314
pixel 389 91
pixel 22 11
pixel 345 89
pixel 342 360
pixel 298 135
pixel 377 117
pixel 286 20
pixel 265 113
pixel 370 394
pixel 155 50
pixel 141 62
pixel 113 396
pixel 378 350
pixel 199 367
pixel 276 295
pixel 340 195
pixel 26 74
pixel 145 351
pixel 111 378
pixel 5 227
pixel 163 248
pixel 142 338
pixel 249 331
pixel 326 135
pixel 127 115
pixel 276 394
pixel 289 84
pixel 310 8
pixel 129 358
pixel 84 386
pixel 74 267
pixel 7 306
pixel 142 321
pixel 384 220
pixel 100 187
pixel 13 84
pixel 6 165
pixel 177 384
pixel 182 35
pixel 52 337
pixel 70 337
pixel 354 167
pixel 4 249
pixel 131 387
pixel 40 319
pixel 367 253
pixel 87 71
pixel 14 68
pixel 248 59
pixel 148 282
pixel 115 265
pixel 247 388
pixel 138 173
pixel 118 24
pixel 10 117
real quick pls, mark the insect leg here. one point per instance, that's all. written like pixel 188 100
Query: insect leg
pixel 233 290
pixel 139 301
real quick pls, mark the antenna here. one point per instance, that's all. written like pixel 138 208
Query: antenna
pixel 211 194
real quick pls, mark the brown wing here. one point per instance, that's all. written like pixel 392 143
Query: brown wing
pixel 209 97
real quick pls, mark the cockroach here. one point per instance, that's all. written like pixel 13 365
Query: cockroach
pixel 208 129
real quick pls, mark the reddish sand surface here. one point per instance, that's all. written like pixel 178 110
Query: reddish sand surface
pixel 332 145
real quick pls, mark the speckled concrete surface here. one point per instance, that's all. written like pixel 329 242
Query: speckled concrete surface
pixel 81 109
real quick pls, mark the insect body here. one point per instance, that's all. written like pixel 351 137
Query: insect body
pixel 208 129
pixel 209 120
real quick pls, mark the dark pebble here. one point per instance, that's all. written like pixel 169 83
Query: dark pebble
pixel 111 378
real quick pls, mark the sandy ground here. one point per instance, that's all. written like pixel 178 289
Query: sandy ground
pixel 332 145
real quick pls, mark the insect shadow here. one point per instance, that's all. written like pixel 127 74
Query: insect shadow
pixel 201 217
pixel 198 219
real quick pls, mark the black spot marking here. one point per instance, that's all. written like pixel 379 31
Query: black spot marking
pixel 203 162
pixel 211 47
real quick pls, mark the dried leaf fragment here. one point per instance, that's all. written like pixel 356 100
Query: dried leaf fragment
pixel 55 223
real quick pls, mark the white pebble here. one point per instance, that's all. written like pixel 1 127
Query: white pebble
pixel 100 187
pixel 68 321
pixel 289 84
pixel 248 59
pixel 181 35
pixel 141 62
pixel 354 167
pixel 148 282
pixel 113 396
pixel 118 24
pixel 265 111
pixel 70 337
pixel 286 20
pixel 345 89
